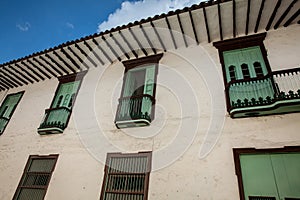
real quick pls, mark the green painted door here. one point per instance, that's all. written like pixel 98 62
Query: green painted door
pixel 271 175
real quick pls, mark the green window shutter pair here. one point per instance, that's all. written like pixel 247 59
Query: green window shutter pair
pixel 139 79
pixel 140 82
pixel 7 108
pixel 271 175
pixel 244 63
pixel 65 95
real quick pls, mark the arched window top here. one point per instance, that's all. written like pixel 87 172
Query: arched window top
pixel 232 72
pixel 60 98
pixel 258 68
pixel 245 70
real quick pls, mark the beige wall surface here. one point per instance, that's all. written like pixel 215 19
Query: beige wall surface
pixel 191 136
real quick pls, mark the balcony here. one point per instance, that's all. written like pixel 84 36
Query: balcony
pixel 3 123
pixel 276 93
pixel 55 120
pixel 134 111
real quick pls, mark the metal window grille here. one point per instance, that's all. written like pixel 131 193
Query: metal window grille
pixel 36 177
pixel 126 176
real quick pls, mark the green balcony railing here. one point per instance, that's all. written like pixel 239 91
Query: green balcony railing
pixel 55 120
pixel 134 111
pixel 278 92
pixel 3 123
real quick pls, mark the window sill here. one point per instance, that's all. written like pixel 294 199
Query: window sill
pixel 132 123
pixel 52 130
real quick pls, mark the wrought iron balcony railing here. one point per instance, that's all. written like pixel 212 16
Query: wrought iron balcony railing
pixel 278 92
pixel 55 120
pixel 3 123
pixel 134 111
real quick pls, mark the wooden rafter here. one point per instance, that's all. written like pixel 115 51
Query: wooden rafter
pixel 158 36
pixel 273 15
pixel 171 32
pixel 93 52
pixel 128 44
pixel 261 8
pixel 119 45
pixel 50 64
pixel 111 48
pixel 148 40
pixel 56 63
pixel 181 29
pixel 86 55
pixel 138 42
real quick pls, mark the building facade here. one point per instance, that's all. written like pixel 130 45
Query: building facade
pixel 199 103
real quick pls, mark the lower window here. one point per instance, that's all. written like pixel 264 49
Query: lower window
pixel 126 176
pixel 36 178
pixel 268 174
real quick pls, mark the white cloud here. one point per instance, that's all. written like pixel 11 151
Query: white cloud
pixel 133 11
pixel 23 27
pixel 70 25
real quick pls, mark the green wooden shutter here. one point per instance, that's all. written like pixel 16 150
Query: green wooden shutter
pixel 7 108
pixel 129 85
pixel 64 94
pixel 246 56
pixel 148 89
pixel 9 105
pixel 231 61
pixel 149 80
pixel 272 175
pixel 258 176
pixel 287 174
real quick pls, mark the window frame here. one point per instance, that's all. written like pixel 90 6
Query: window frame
pixel 25 172
pixel 241 43
pixel 147 154
pixel 12 112
pixel 141 63
pixel 242 151
pixel 67 79
pixel 62 80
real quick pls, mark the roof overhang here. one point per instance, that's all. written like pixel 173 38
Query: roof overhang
pixel 207 22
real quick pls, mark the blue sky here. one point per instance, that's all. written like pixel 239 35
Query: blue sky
pixel 34 25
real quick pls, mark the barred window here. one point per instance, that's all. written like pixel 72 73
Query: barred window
pixel 36 178
pixel 126 176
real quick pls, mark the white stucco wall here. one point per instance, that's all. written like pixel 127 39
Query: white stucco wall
pixel 189 96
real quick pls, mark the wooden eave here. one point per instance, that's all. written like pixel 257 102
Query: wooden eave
pixel 207 22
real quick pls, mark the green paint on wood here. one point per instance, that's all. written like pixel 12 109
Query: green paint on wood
pixel 273 175
pixel 64 94
pixel 250 57
pixel 7 108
